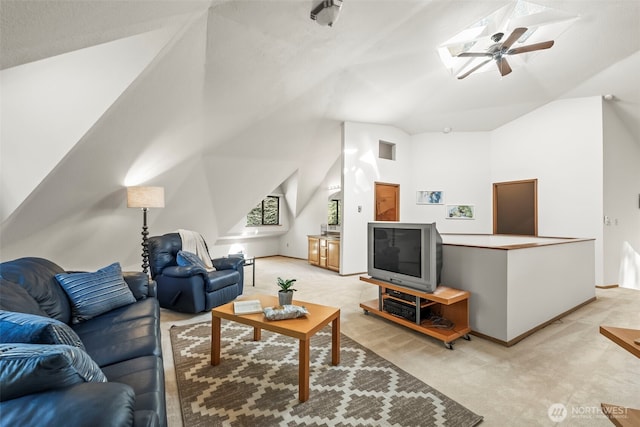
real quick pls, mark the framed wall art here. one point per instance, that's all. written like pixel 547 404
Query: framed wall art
pixel 429 197
pixel 461 212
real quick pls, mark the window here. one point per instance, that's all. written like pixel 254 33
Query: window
pixel 334 212
pixel 267 212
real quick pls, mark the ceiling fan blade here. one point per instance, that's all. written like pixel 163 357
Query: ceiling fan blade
pixel 474 69
pixel 503 66
pixel 515 35
pixel 530 48
pixel 474 54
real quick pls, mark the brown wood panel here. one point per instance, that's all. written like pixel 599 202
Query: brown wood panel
pixel 515 207
pixel 621 416
pixel 387 202
pixel 314 251
pixel 629 339
pixel 333 255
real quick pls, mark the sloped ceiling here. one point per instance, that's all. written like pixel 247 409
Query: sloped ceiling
pixel 42 100
pixel 237 96
pixel 31 30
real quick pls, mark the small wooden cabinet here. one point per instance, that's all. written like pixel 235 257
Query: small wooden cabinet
pixel 333 255
pixel 448 303
pixel 324 252
pixel 314 250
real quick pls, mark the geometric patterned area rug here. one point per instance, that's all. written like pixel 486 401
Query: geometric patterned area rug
pixel 256 384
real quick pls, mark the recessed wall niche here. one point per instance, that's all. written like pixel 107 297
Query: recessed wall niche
pixel 386 150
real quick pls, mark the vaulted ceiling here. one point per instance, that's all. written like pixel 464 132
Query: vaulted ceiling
pixel 245 95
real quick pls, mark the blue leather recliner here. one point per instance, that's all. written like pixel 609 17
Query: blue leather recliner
pixel 189 289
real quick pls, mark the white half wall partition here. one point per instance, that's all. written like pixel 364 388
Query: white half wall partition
pixel 518 284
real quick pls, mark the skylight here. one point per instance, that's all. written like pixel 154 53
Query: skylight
pixel 543 23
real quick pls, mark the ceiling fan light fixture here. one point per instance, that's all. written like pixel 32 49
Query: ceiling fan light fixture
pixel 326 12
pixel 469 49
pixel 527 34
pixel 500 51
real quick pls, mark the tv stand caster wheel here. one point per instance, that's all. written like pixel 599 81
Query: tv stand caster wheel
pixel 467 337
pixel 449 345
pixel 366 312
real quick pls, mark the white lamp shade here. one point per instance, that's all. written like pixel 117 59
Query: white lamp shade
pixel 145 197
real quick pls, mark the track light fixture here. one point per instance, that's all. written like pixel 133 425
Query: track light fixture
pixel 326 12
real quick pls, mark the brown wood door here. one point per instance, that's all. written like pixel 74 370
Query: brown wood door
pixel 515 207
pixel 387 202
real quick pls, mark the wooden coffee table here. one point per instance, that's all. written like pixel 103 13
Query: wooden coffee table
pixel 625 338
pixel 302 328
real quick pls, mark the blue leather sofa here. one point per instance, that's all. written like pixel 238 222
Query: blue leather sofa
pixel 190 288
pixel 124 343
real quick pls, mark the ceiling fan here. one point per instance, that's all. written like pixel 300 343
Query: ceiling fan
pixel 499 51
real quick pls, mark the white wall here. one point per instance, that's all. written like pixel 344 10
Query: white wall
pixel 45 105
pixel 621 241
pixel 361 169
pixel 260 247
pixel 77 216
pixel 560 144
pixel 459 165
pixel 294 242
pixel 144 126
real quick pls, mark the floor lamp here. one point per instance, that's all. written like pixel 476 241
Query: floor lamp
pixel 145 198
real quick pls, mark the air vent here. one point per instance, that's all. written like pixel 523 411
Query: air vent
pixel 386 150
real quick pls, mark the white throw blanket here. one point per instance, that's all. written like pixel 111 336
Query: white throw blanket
pixel 193 242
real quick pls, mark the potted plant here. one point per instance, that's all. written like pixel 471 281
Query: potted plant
pixel 285 294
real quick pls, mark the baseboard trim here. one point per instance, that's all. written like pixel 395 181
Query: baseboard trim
pixel 532 331
pixel 353 274
pixel 613 285
pixel 488 338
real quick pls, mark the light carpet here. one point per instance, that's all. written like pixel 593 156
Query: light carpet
pixel 256 384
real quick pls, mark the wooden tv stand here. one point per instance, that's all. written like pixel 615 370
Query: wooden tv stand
pixel 451 304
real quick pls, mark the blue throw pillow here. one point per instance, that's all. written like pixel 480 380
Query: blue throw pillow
pixel 33 368
pixel 92 294
pixel 184 259
pixel 33 329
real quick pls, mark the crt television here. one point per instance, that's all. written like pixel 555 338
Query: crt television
pixel 408 255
